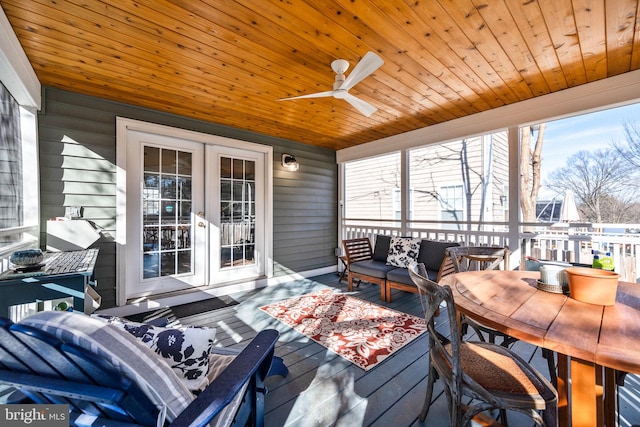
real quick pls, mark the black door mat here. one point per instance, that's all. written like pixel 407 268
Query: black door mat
pixel 185 310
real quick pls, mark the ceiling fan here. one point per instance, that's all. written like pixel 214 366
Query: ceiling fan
pixel 367 65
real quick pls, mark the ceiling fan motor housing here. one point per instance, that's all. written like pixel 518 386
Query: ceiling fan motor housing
pixel 338 82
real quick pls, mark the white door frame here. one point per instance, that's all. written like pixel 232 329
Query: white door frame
pixel 123 126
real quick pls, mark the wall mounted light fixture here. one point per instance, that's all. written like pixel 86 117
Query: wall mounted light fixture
pixel 289 162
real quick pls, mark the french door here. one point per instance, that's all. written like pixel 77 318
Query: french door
pixel 236 201
pixel 196 214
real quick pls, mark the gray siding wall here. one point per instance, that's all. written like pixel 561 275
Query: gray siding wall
pixel 77 137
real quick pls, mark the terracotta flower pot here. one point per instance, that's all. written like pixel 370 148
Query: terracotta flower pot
pixel 592 285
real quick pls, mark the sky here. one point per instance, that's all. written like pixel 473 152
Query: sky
pixel 593 131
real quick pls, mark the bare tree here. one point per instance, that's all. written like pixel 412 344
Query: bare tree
pixel 619 211
pixel 629 149
pixel 530 163
pixel 600 182
pixel 474 181
pixel 467 173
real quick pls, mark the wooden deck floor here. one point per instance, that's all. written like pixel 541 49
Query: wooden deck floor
pixel 322 389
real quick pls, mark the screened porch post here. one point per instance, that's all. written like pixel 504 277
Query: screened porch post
pixel 405 200
pixel 514 194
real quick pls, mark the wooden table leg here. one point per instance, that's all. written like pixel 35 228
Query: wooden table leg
pixel 584 411
pixel 610 403
pixel 564 416
pixel 600 394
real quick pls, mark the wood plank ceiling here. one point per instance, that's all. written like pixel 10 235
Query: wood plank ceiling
pixel 229 62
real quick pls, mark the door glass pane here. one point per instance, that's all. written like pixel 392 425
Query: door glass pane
pixel 167 225
pixel 151 198
pixel 225 167
pixel 250 170
pixel 168 187
pixel 184 163
pixel 184 214
pixel 238 169
pixel 184 262
pixel 184 188
pixel 168 161
pixel 151 264
pixel 151 159
pixel 167 263
pixel 237 207
pixel 225 189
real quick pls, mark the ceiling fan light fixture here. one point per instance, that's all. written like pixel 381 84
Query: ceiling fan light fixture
pixel 339 66
pixel 290 163
pixel 369 63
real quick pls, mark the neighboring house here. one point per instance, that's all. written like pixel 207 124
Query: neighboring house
pixel 454 181
pixel 548 210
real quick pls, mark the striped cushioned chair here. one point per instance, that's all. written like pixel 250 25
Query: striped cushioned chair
pixel 108 376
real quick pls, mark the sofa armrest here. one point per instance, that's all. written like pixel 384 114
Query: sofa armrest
pixel 357 250
pixel 254 359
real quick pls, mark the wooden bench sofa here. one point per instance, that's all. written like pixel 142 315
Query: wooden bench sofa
pixel 370 264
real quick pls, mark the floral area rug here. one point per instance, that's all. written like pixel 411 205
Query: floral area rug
pixel 359 331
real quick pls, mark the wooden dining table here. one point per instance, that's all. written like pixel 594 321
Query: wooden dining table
pixel 591 341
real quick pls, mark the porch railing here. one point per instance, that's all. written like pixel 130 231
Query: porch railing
pixel 572 242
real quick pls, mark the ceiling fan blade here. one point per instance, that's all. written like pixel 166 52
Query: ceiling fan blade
pixel 367 65
pixel 311 95
pixel 360 105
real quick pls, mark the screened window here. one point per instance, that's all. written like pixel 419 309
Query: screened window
pixel 371 186
pixel 11 207
pixel 18 191
pixel 591 161
pixel 460 180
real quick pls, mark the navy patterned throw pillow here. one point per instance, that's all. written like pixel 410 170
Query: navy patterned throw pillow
pixel 185 349
pixel 403 251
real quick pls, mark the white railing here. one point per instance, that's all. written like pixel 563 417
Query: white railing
pixel 490 233
pixel 572 243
